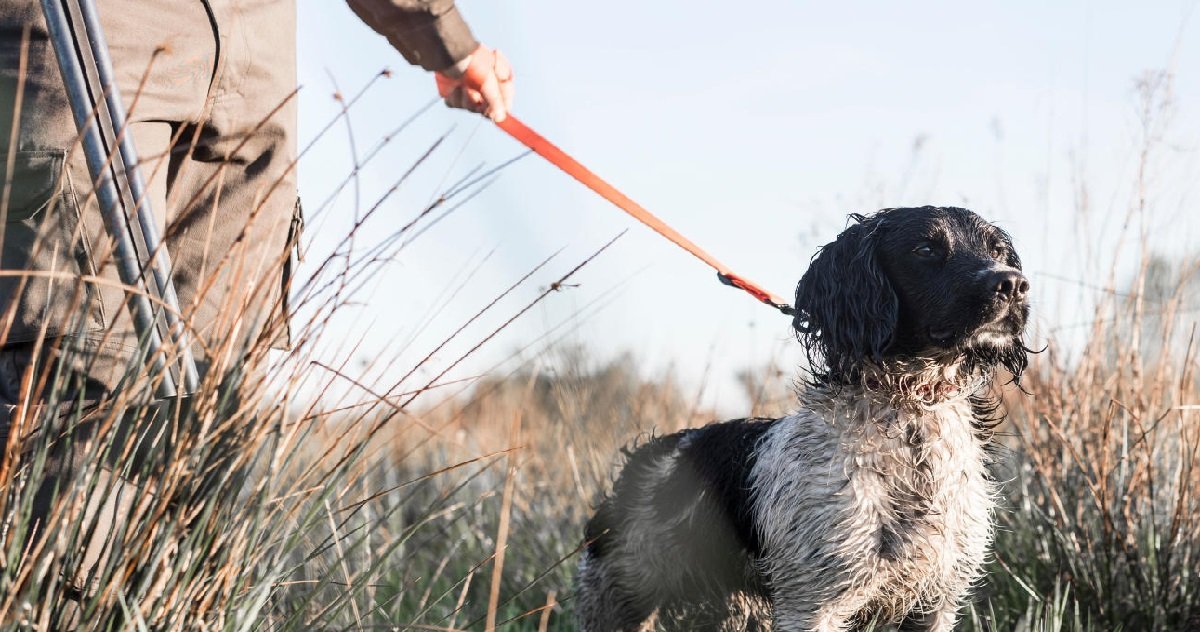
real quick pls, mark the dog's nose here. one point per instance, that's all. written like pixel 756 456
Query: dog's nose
pixel 1010 285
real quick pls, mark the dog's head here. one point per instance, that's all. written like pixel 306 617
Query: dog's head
pixel 927 285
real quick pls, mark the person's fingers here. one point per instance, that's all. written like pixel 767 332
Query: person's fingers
pixel 453 93
pixel 453 97
pixel 504 74
pixel 493 100
pixel 501 68
pixel 469 100
pixel 477 100
pixel 508 91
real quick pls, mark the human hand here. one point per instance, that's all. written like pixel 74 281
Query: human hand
pixel 481 83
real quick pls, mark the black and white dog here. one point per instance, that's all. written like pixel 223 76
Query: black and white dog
pixel 873 502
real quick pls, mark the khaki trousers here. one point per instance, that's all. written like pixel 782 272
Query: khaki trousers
pixel 208 85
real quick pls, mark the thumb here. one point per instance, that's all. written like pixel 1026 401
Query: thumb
pixel 481 77
pixel 493 99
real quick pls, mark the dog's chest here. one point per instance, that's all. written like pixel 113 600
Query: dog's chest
pixel 886 506
pixel 919 496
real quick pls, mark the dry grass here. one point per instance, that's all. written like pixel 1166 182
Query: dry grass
pixel 415 509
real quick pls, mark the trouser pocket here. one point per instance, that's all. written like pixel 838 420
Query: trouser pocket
pixel 45 253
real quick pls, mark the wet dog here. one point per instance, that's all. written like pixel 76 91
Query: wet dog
pixel 871 503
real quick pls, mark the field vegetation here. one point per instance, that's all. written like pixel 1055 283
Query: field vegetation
pixel 448 505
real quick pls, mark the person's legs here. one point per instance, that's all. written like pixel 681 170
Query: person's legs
pixel 166 55
pixel 208 89
pixel 77 508
pixel 233 198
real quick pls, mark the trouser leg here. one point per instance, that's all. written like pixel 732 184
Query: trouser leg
pixel 233 197
pixel 76 495
pixel 218 77
pixel 165 55
pixel 218 151
pixel 102 480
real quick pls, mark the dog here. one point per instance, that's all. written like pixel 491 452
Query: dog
pixel 872 503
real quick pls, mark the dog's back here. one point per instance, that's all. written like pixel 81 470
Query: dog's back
pixel 677 534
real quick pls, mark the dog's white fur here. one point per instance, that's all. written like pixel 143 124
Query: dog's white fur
pixel 858 456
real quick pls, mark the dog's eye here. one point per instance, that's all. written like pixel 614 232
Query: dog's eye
pixel 925 251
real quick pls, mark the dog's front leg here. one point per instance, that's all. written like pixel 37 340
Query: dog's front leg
pixel 796 618
pixel 940 619
pixel 799 611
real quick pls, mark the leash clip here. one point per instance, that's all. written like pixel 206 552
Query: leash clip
pixel 736 282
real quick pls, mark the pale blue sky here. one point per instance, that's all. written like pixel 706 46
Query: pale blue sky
pixel 754 131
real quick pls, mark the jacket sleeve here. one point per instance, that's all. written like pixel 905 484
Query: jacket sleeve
pixel 428 33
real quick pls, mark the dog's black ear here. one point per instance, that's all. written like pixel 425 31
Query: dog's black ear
pixel 846 309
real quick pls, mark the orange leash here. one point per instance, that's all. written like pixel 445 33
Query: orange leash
pixel 573 168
